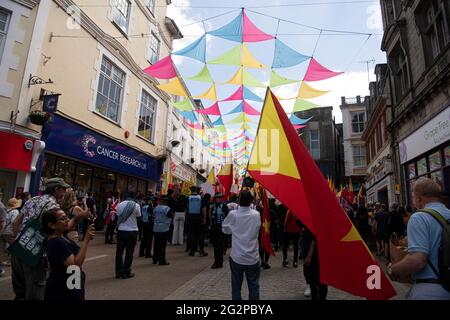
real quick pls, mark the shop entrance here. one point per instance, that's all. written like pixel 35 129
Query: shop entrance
pixel 383 196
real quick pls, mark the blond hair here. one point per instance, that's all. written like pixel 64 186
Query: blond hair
pixel 69 200
pixel 427 188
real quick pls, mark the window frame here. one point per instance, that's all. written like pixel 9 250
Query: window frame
pixel 360 156
pixel 358 122
pixel 154 56
pixel 311 141
pixel 116 10
pixel 153 113
pixel 5 32
pixel 110 78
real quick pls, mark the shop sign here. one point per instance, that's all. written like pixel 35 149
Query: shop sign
pixel 180 172
pixel 429 136
pixel 70 139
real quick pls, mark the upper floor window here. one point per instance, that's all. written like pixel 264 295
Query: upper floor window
pixel 400 69
pixel 359 156
pixel 147 116
pixel 110 90
pixel 4 23
pixel 121 14
pixel 433 24
pixel 154 49
pixel 358 121
pixel 151 5
pixel 314 144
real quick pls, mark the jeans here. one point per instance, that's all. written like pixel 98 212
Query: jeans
pixel 126 241
pixel 428 291
pixel 195 234
pixel 178 228
pixel 28 282
pixel 237 276
pixel 147 240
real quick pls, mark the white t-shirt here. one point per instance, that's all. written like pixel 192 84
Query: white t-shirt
pixel 243 224
pixel 131 223
pixel 232 206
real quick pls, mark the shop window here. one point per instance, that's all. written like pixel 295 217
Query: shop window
pixel 437 177
pixel 66 170
pixel 121 185
pixel 132 184
pixel 398 61
pixel 411 170
pixel 83 179
pixel 147 116
pixel 435 161
pixel 4 23
pixel 447 155
pixel 422 166
pixel 110 89
pixel 48 170
pixel 121 14
pixel 142 186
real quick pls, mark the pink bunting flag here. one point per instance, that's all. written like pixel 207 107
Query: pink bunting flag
pixel 213 110
pixel 238 95
pixel 298 126
pixel 251 33
pixel 193 125
pixel 238 137
pixel 163 69
pixel 248 139
pixel 318 72
pixel 248 109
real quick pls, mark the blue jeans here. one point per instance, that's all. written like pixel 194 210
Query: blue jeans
pixel 237 276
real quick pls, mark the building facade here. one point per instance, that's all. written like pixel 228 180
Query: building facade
pixel 380 182
pixel 353 124
pixel 416 41
pixel 324 140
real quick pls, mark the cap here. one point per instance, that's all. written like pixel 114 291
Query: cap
pixel 14 203
pixel 56 182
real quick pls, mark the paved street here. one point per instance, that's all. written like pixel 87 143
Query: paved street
pixel 186 278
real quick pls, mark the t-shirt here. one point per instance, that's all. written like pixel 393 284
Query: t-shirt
pixel 131 223
pixel 10 217
pixel 424 235
pixel 58 250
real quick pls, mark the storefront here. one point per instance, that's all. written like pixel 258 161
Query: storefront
pixel 91 162
pixel 380 185
pixel 180 172
pixel 426 153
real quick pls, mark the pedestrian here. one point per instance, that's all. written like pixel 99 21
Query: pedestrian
pixel 139 199
pixel 291 234
pixel 29 281
pixel 428 250
pixel 128 212
pixel 263 254
pixel 244 224
pixel 70 206
pixel 407 215
pixel 395 223
pixel 196 220
pixel 232 205
pixel 172 194
pixel 311 268
pixel 362 224
pixel 90 204
pixel 63 253
pixel 2 226
pixel 7 233
pixel 25 197
pixel 206 223
pixel 379 228
pixel 163 217
pixel 179 220
pixel 217 212
pixel 145 249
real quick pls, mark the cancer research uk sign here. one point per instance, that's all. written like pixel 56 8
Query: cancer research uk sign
pixel 432 134
pixel 70 139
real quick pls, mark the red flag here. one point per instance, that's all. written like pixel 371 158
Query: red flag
pixel 293 177
pixel 225 177
pixel 265 227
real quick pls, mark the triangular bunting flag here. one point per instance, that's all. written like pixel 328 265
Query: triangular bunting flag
pixel 252 33
pixel 237 77
pixel 318 72
pixel 249 95
pixel 286 57
pixel 277 80
pixel 238 95
pixel 250 80
pixel 302 105
pixel 308 92
pixel 163 69
pixel 238 109
pixel 231 57
pixel 249 61
pixel 195 50
pixel 239 119
pixel 248 109
pixel 231 31
pixel 218 122
pixel 173 87
pixel 210 94
pixel 188 115
pixel 202 76
pixel 213 110
pixel 183 105
pixel 298 121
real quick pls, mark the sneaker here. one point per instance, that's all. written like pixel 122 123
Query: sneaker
pixel 217 266
pixel 307 292
pixel 265 266
pixel 295 264
pixel 127 276
pixel 285 263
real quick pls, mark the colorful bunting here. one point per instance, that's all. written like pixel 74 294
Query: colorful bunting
pixel 318 72
pixel 213 110
pixel 231 31
pixel 231 57
pixel 286 57
pixel 302 105
pixel 163 69
pixel 308 92
pixel 249 61
pixel 202 76
pixel 173 87
pixel 195 50
pixel 209 94
pixel 251 32
pixel 183 105
pixel 276 80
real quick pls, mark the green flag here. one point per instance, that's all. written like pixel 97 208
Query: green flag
pixel 183 105
pixel 302 105
pixel 231 57
pixel 277 80
pixel 203 75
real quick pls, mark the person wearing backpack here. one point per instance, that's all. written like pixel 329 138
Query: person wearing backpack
pixel 128 212
pixel 428 258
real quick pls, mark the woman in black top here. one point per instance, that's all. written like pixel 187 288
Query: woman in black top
pixel 63 253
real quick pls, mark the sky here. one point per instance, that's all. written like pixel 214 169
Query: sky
pixel 338 52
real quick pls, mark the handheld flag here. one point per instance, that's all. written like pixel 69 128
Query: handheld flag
pixel 265 227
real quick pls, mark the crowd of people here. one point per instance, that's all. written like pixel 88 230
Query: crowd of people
pixel 69 221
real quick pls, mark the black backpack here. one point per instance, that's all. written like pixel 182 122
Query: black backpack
pixel 444 249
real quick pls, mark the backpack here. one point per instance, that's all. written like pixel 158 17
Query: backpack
pixel 444 249
pixel 195 204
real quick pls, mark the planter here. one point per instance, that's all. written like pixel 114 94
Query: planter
pixel 38 119
pixel 202 171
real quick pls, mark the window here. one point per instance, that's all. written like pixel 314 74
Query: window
pixel 431 21
pixel 314 144
pixel 147 116
pixel 151 6
pixel 4 22
pixel 154 49
pixel 174 133
pixel 110 88
pixel 389 11
pixel 358 121
pixel 400 70
pixel 359 156
pixel 121 14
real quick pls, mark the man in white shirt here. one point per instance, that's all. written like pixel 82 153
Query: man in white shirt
pixel 127 232
pixel 244 224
